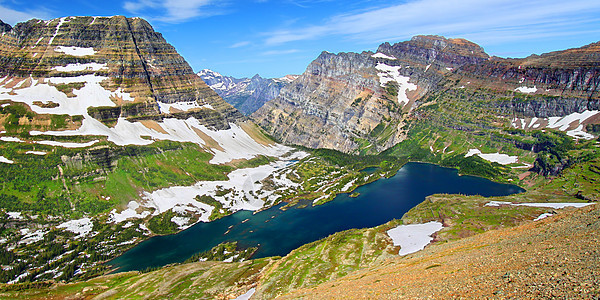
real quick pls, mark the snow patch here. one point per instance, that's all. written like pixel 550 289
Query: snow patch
pixel 14 215
pixel 557 205
pixel 32 237
pixel 80 67
pixel 414 237
pixel 182 222
pixel 574 120
pixel 392 73
pixel 81 227
pixel 526 90
pixel 128 213
pixel 502 159
pixel 542 216
pixel 165 108
pixel 11 139
pixel 381 55
pixel 61 21
pixel 74 51
pixel 36 152
pixel 67 144
pixel 246 295
pixel 119 93
pixel 6 160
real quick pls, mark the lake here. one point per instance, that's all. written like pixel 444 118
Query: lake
pixel 278 232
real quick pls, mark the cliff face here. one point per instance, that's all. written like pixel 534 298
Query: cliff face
pixel 335 104
pixel 358 102
pixel 137 64
pixel 245 94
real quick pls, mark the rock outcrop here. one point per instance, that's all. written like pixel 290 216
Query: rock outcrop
pixel 140 67
pixel 359 102
pixel 245 94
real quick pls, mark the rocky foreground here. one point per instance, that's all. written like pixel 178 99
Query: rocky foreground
pixel 554 258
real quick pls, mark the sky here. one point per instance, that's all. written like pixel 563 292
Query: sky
pixel 274 38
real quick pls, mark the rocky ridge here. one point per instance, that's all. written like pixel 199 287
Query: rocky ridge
pixel 245 94
pixel 360 102
pixel 141 68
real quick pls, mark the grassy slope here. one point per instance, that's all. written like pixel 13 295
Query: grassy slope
pixel 555 258
pixel 347 252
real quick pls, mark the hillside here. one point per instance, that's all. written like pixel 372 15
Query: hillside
pixel 365 102
pixel 108 138
pixel 552 258
pixel 517 253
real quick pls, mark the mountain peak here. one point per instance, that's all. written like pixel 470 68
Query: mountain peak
pixel 434 48
pixel 4 27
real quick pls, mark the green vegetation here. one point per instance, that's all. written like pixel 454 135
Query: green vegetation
pixel 162 224
pixel 224 251
pixel 68 88
pixel 218 210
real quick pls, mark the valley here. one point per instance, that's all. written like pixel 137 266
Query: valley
pixel 109 141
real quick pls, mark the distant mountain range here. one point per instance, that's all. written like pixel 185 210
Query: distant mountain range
pixel 245 94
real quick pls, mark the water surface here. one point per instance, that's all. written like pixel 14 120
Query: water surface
pixel 277 232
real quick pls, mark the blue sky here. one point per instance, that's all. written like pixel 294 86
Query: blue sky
pixel 275 38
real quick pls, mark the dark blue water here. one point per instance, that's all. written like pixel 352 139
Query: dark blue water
pixel 277 232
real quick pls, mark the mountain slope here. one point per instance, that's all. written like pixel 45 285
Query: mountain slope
pixel 553 258
pixel 101 120
pixel 361 102
pixel 245 94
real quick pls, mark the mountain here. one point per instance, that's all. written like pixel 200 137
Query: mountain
pixel 245 94
pixel 108 137
pixel 362 102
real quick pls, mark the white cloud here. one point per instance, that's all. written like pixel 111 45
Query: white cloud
pixel 280 52
pixel 240 44
pixel 172 11
pixel 12 16
pixel 490 20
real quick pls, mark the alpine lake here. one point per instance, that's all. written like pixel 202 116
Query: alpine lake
pixel 277 232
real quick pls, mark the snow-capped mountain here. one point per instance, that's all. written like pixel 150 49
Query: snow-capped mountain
pixel 245 94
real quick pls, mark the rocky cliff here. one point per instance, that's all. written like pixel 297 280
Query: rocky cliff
pixel 136 64
pixel 359 102
pixel 245 94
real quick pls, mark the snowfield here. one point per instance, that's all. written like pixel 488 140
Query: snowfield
pixel 526 90
pixel 381 55
pixel 414 237
pixel 244 186
pixel 233 143
pixel 502 159
pixel 81 227
pixel 572 124
pixel 392 73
